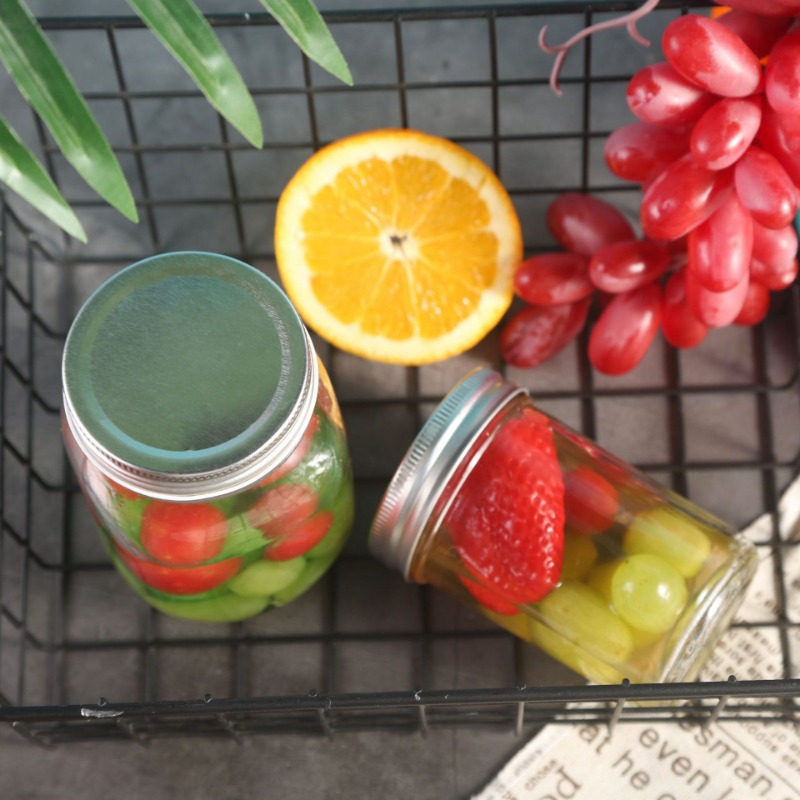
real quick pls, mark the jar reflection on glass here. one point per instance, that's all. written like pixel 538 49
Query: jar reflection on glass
pixel 557 540
pixel 210 524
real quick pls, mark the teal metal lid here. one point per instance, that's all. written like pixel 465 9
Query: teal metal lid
pixel 188 375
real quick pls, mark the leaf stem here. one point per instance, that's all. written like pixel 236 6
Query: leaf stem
pixel 560 51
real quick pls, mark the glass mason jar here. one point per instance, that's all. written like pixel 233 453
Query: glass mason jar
pixel 553 538
pixel 206 437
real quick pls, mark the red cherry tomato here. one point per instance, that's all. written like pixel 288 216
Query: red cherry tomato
pixel 774 276
pixel 680 326
pixel 640 152
pixel 281 508
pixel 583 223
pixel 660 95
pixel 537 333
pixel 183 533
pixel 758 32
pixel 756 305
pixel 723 134
pixel 296 457
pixel 715 309
pixel 783 74
pixel 765 189
pixel 625 330
pixel 591 502
pixel 181 580
pixel 720 249
pixel 623 266
pixel 299 539
pixel 774 245
pixel 553 279
pixel 711 56
pixel 682 197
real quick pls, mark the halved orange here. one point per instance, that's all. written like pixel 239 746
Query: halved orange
pixel 398 246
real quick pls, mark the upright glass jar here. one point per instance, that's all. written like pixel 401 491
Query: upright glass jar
pixel 206 437
pixel 558 541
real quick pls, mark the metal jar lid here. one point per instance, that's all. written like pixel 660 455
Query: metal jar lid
pixel 188 376
pixel 431 461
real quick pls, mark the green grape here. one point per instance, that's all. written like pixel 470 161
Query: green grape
pixel 647 593
pixel 225 608
pixel 266 577
pixel 313 571
pixel 673 536
pixel 600 578
pixel 580 555
pixel 581 615
pixel 334 540
pixel 128 514
pixel 572 656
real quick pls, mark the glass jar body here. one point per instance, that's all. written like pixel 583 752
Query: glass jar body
pixel 230 557
pixel 571 549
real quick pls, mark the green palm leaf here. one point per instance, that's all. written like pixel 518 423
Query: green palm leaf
pixel 186 33
pixel 48 88
pixel 301 20
pixel 23 174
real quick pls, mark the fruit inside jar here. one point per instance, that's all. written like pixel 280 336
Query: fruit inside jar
pixel 578 553
pixel 227 559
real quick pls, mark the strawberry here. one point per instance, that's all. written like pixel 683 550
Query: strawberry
pixel 488 599
pixel 507 521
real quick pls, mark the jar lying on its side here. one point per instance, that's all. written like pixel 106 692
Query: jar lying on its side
pixel 206 437
pixel 558 541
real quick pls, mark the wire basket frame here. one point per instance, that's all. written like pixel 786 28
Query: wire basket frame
pixel 362 650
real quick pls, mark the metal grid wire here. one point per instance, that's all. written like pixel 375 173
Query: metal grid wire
pixel 378 653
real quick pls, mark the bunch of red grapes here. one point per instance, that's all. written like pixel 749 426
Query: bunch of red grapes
pixel 716 149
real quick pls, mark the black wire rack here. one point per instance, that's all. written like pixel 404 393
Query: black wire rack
pixel 362 650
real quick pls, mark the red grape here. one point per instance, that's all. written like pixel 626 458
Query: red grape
pixel 583 223
pixel 681 327
pixel 720 248
pixel 765 189
pixel 639 152
pixel 711 56
pixel 758 32
pixel 723 134
pixel 553 278
pixel 783 74
pixel 775 137
pixel 539 332
pixel 625 330
pixel 715 309
pixel 622 266
pixel 682 197
pixel 661 96
pixel 772 8
pixel 590 501
pixel 774 276
pixel 774 245
pixel 756 305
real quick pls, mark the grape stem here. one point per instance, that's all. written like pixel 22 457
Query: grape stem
pixel 560 51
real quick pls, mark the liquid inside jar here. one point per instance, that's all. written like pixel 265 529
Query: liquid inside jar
pixel 229 558
pixel 578 553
